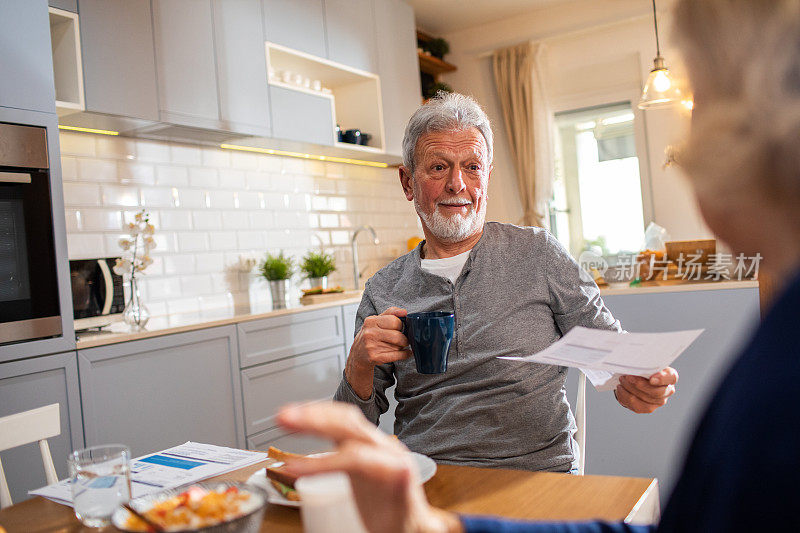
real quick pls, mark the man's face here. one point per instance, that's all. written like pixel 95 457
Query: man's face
pixel 450 182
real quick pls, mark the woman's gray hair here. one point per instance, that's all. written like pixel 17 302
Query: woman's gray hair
pixel 743 58
pixel 445 112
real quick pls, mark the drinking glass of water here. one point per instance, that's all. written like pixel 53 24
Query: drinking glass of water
pixel 101 482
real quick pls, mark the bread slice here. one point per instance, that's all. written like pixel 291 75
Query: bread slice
pixel 280 479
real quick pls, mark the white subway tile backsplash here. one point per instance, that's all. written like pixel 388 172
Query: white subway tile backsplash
pixel 192 242
pixel 181 264
pixel 156 197
pixel 203 177
pixel 222 200
pixel 175 220
pixel 222 240
pixel 81 194
pixel 261 220
pixel 152 151
pixel 250 240
pixel 101 220
pixel 77 144
pixel 260 181
pixel 214 157
pixel 232 179
pixel 172 175
pixel 210 263
pixel 142 173
pixel 115 148
pixel 207 220
pixel 97 170
pixel 85 245
pixel 244 161
pixel 185 154
pixel 69 168
pixel 120 196
pixel 196 284
pixel 210 206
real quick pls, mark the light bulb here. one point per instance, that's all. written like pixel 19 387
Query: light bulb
pixel 661 81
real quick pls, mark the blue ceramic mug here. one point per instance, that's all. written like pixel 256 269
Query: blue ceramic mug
pixel 429 335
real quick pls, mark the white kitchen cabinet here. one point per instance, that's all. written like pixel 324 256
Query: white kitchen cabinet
pixel 299 116
pixel 265 388
pixel 33 383
pixel 350 32
pixel 241 67
pixel 185 63
pixel 26 63
pixel 398 68
pixel 297 24
pixel 119 68
pixel 290 442
pixel 162 391
pixel 271 339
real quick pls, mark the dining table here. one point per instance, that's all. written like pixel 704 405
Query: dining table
pixel 515 494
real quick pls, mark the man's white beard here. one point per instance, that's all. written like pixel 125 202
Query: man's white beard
pixel 456 227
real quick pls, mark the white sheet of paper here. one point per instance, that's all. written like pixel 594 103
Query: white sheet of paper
pixel 605 355
pixel 180 465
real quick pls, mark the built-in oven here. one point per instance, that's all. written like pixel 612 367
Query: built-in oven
pixel 29 299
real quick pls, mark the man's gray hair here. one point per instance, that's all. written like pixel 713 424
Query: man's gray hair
pixel 445 112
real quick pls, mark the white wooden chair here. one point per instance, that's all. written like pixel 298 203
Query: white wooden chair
pixel 580 421
pixel 23 428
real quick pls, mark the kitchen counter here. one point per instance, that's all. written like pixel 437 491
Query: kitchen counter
pixel 178 323
pixel 679 285
pixel 168 324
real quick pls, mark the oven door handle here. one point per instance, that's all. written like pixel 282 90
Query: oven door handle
pixel 15 177
pixel 109 282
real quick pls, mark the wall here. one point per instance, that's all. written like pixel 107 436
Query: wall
pixel 210 206
pixel 598 52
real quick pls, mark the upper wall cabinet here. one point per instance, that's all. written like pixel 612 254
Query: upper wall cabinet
pixel 398 68
pixel 350 31
pixel 26 63
pixel 66 5
pixel 119 69
pixel 185 64
pixel 296 24
pixel 241 66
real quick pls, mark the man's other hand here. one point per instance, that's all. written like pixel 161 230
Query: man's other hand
pixel 380 340
pixel 643 395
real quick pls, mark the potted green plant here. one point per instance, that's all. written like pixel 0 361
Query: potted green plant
pixel 277 269
pixel 438 47
pixel 316 266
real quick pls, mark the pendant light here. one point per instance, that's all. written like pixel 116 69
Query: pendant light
pixel 660 89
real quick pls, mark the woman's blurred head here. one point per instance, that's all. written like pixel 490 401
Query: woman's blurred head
pixel 743 155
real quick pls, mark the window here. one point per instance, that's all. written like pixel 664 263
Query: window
pixel 597 194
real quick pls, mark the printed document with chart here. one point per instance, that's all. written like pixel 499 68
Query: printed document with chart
pixel 605 355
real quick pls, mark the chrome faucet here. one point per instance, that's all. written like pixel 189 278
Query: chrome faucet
pixel 354 246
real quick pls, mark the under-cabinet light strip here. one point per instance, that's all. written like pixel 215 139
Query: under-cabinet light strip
pixel 305 156
pixel 88 130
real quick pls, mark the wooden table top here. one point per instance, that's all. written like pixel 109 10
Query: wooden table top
pixel 462 489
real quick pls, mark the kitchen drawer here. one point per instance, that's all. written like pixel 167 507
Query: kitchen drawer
pixel 288 442
pixel 265 388
pixel 299 116
pixel 271 339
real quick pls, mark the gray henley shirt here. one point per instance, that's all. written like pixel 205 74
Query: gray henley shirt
pixel 518 292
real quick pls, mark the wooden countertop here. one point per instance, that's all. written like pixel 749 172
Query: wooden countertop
pixel 179 323
pixel 514 494
pixel 678 285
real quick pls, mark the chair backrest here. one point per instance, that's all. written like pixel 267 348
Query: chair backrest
pixel 36 425
pixel 580 421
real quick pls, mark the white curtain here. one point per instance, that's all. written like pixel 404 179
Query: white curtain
pixel 519 74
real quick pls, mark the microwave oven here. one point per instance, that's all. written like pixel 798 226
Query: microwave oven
pixel 98 297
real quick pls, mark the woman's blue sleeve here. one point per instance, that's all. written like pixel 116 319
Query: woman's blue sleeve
pixel 477 524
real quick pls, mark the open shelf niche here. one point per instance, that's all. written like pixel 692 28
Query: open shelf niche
pixel 67 65
pixel 355 94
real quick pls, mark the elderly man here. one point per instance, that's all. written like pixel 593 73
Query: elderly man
pixel 514 291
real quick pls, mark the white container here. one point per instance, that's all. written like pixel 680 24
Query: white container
pixel 327 504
